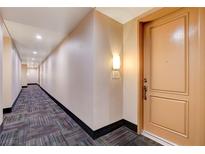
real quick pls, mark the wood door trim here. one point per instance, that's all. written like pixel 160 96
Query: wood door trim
pixel 202 69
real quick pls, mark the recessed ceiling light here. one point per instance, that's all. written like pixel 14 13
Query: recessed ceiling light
pixel 39 37
pixel 35 52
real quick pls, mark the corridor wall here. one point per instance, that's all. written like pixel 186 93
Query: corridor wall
pixel 78 72
pixel 7 72
pixel 24 79
pixel 131 71
pixel 11 73
pixel 16 75
pixel 67 74
pixel 107 92
pixel 1 72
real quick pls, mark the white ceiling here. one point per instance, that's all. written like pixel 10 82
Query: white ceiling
pixel 53 24
pixel 123 14
pixel 5 32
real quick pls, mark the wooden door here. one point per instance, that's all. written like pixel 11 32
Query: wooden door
pixel 171 58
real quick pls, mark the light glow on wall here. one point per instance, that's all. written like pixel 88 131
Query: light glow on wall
pixel 116 62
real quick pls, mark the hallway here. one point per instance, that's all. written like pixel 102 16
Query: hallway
pixel 37 120
pixel 102 76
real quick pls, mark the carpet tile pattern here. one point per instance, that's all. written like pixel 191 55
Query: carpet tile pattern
pixel 37 120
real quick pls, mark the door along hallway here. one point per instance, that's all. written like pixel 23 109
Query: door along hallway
pixel 37 120
pixel 84 76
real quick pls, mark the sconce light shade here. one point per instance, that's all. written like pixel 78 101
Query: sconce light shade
pixel 116 62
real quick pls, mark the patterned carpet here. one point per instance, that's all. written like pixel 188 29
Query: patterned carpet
pixel 38 120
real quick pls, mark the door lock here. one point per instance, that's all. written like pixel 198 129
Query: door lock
pixel 145 92
pixel 145 89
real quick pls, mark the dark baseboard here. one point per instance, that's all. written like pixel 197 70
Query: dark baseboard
pixel 107 129
pixel 24 86
pixel 32 84
pixel 130 125
pixel 9 110
pixel 94 133
pixel 16 99
pixel 74 117
pixel 1 127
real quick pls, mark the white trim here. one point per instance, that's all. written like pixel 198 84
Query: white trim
pixel 158 139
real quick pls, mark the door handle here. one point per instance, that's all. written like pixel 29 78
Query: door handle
pixel 145 89
pixel 145 92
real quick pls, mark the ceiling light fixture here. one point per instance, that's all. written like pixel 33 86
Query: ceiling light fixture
pixel 35 52
pixel 39 37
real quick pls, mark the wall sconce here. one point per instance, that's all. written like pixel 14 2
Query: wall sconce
pixel 116 67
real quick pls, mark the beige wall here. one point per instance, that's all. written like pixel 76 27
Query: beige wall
pixel 130 71
pixel 1 72
pixel 107 93
pixel 32 75
pixel 24 79
pixel 7 72
pixel 16 75
pixel 67 74
pixel 78 72
pixel 11 73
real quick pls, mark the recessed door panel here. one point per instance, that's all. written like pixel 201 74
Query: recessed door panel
pixel 169 114
pixel 168 51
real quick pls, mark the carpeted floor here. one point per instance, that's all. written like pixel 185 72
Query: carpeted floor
pixel 38 120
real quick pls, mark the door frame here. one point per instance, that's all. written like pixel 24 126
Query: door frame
pixel 155 14
pixel 141 20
